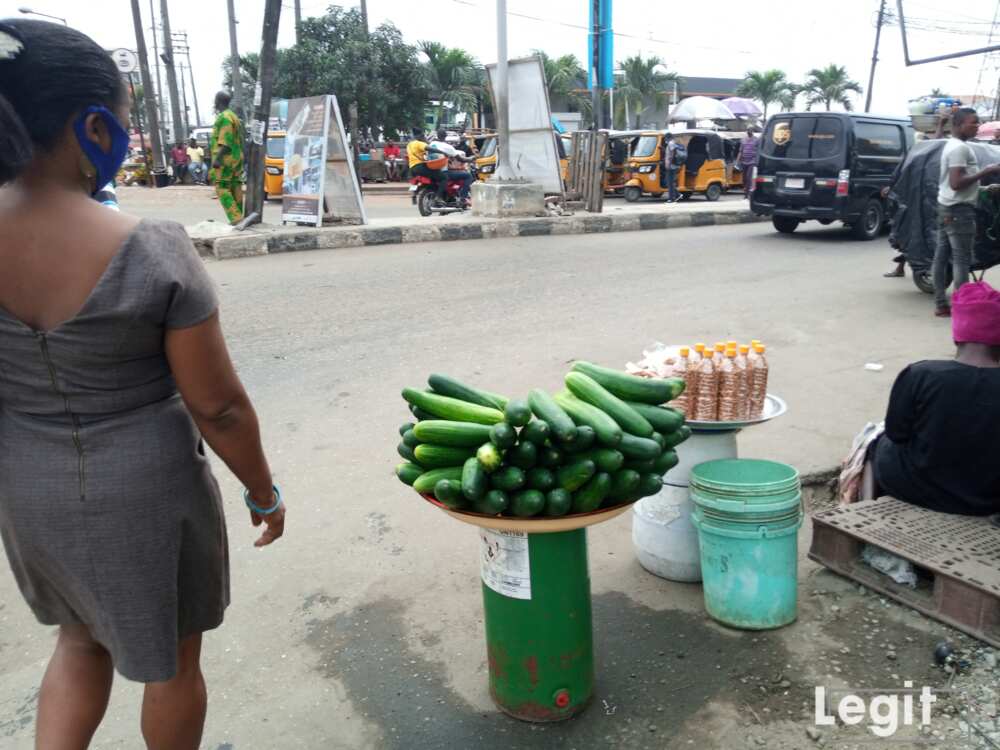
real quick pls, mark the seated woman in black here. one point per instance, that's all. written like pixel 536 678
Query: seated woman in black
pixel 941 447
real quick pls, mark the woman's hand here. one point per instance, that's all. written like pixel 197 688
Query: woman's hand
pixel 275 523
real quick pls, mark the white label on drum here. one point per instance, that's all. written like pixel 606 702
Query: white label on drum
pixel 506 566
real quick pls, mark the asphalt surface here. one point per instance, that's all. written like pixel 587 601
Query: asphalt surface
pixel 362 628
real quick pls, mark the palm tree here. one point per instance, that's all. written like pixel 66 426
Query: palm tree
pixel 788 97
pixel 563 78
pixel 766 86
pixel 641 81
pixel 452 75
pixel 830 85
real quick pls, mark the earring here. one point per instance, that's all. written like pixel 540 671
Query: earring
pixel 87 170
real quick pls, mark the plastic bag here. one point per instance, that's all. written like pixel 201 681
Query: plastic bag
pixel 898 569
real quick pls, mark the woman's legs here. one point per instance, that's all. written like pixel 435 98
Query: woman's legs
pixel 74 692
pixel 173 712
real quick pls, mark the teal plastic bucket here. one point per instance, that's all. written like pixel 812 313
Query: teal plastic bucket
pixel 748 513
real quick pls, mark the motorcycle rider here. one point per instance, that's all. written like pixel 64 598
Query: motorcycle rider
pixel 416 154
pixel 441 146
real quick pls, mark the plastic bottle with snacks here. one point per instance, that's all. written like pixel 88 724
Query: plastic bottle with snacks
pixel 743 369
pixel 698 353
pixel 719 353
pixel 758 382
pixel 729 388
pixel 706 406
pixel 691 380
pixel 679 369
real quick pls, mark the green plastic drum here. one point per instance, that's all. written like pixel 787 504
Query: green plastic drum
pixel 539 633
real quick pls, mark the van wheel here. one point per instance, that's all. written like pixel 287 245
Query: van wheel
pixel 785 224
pixel 713 192
pixel 632 194
pixel 869 224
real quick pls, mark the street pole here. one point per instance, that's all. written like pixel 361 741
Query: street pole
pixel 871 75
pixel 194 91
pixel 364 14
pixel 138 121
pixel 152 120
pixel 597 98
pixel 158 92
pixel 504 170
pixel 298 19
pixel 168 54
pixel 261 114
pixel 234 62
pixel 184 101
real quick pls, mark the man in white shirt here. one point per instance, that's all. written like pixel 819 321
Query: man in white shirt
pixel 958 191
pixel 443 147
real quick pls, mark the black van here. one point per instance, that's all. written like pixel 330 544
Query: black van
pixel 828 166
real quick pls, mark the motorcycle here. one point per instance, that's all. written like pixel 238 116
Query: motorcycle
pixel 423 195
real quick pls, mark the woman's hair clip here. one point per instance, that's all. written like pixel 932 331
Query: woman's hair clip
pixel 10 46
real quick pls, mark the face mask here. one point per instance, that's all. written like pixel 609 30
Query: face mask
pixel 108 163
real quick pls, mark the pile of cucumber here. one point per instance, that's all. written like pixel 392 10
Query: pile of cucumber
pixel 603 441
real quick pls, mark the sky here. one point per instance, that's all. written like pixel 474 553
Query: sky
pixel 724 38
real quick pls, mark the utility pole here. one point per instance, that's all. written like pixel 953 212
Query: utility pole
pixel 596 95
pixel 261 114
pixel 504 169
pixel 234 62
pixel 364 14
pixel 151 116
pixel 168 59
pixel 298 19
pixel 871 75
pixel 184 102
pixel 184 48
pixel 158 92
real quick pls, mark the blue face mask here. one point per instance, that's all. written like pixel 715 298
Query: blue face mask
pixel 106 163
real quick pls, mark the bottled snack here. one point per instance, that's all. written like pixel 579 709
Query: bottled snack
pixel 691 380
pixel 743 370
pixel 706 403
pixel 729 388
pixel 699 352
pixel 719 354
pixel 679 369
pixel 758 381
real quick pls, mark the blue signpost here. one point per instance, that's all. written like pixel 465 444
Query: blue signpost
pixel 601 58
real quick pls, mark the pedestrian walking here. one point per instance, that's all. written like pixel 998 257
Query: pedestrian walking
pixel 196 162
pixel 749 148
pixel 958 191
pixel 226 148
pixel 179 158
pixel 114 368
pixel 672 162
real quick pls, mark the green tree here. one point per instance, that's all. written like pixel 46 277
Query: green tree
pixel 765 86
pixel 830 85
pixel 452 75
pixel 642 82
pixel 564 78
pixel 788 97
pixel 249 63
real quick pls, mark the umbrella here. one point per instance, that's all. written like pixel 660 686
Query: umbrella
pixel 988 131
pixel 700 108
pixel 742 107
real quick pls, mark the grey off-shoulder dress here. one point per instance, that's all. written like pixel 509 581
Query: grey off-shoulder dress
pixel 109 512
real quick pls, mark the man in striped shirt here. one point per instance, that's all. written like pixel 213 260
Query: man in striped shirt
pixel 748 159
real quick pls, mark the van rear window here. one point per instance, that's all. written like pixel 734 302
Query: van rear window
pixel 803 138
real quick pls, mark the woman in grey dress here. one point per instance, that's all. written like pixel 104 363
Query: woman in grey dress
pixel 112 368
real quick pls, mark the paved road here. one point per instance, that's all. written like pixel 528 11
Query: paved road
pixel 363 627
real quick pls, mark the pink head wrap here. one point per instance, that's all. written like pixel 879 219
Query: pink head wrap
pixel 975 314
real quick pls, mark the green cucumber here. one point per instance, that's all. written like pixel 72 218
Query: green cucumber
pixel 523 455
pixel 407 452
pixel 454 409
pixel 410 439
pixel 643 467
pixel 517 412
pixel 592 494
pixel 540 478
pixel 659 440
pixel 490 457
pixel 420 414
pixel 448 386
pixel 585 439
pixel 536 432
pixel 458 434
pixel 527 503
pixel 573 476
pixel 663 418
pixel 639 448
pixel 473 479
pixel 449 492
pixel 493 503
pixel 439 456
pixel 502 435
pixel 589 390
pixel 666 461
pixel 624 483
pixel 678 436
pixel 508 479
pixel 650 484
pixel 546 409
pixel 550 457
pixel 607 429
pixel 405 427
pixel 408 473
pixel 632 387
pixel 558 502
pixel 426 481
pixel 605 459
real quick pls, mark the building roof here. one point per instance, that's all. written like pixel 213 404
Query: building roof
pixel 719 88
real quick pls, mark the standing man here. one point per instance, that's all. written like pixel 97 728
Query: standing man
pixel 748 159
pixel 196 163
pixel 226 148
pixel 958 191
pixel 179 158
pixel 670 168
